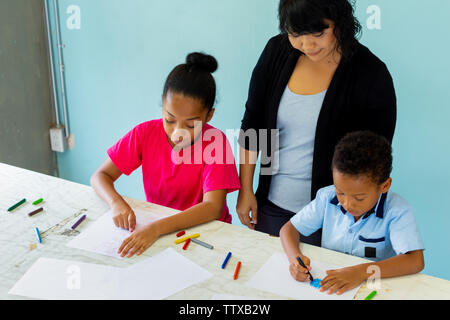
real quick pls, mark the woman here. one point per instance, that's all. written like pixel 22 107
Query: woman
pixel 314 82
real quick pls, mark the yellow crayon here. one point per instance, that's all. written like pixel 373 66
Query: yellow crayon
pixel 195 235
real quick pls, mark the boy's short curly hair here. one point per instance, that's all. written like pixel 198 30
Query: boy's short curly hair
pixel 364 153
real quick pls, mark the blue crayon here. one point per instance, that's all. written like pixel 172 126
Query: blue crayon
pixel 38 235
pixel 226 260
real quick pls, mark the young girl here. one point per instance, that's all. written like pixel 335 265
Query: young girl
pixel 173 152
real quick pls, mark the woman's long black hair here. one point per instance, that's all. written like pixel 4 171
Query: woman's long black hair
pixel 300 17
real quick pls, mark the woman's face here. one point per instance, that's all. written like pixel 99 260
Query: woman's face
pixel 183 119
pixel 316 46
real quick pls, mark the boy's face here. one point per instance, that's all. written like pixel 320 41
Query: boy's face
pixel 358 194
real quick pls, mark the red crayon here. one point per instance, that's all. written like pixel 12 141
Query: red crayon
pixel 236 272
pixel 186 243
pixel 179 234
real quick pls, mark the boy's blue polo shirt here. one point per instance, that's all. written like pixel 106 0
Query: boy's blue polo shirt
pixel 387 230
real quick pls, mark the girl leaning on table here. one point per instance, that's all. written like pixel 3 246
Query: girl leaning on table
pixel 168 150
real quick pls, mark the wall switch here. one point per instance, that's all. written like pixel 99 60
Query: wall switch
pixel 57 139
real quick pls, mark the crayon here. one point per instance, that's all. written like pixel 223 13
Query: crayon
pixel 17 204
pixel 186 243
pixel 37 201
pixel 78 222
pixel 35 211
pixel 204 244
pixel 226 260
pixel 371 295
pixel 236 271
pixel 196 235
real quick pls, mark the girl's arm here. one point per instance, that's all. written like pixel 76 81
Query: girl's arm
pixel 209 209
pixel 102 181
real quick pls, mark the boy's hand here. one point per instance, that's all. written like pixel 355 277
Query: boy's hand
pixel 342 280
pixel 123 215
pixel 297 271
pixel 138 242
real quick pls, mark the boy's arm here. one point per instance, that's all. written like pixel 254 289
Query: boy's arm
pixel 290 240
pixel 344 279
pixel 400 265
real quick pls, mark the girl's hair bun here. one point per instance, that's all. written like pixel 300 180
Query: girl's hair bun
pixel 201 61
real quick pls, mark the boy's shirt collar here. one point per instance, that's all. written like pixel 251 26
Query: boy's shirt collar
pixel 378 208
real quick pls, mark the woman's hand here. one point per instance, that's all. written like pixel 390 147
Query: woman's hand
pixel 297 271
pixel 342 280
pixel 138 242
pixel 247 202
pixel 123 215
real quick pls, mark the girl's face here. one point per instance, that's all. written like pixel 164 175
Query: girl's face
pixel 316 46
pixel 358 194
pixel 183 119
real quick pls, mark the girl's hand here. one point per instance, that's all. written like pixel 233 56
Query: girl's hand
pixel 123 215
pixel 138 242
pixel 342 280
pixel 297 271
pixel 247 202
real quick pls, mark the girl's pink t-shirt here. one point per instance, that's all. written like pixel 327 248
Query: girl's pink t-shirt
pixel 177 179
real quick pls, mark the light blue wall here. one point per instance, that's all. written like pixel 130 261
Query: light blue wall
pixel 116 64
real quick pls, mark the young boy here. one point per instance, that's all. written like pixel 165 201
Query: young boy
pixel 358 216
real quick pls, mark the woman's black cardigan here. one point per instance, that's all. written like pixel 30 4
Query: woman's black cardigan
pixel 361 96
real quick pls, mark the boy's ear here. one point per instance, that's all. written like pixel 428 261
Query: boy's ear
pixel 210 114
pixel 386 185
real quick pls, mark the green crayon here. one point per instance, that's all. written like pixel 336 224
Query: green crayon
pixel 17 204
pixel 38 201
pixel 371 295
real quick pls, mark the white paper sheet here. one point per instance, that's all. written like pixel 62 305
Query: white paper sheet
pixel 105 238
pixel 160 276
pixel 154 278
pixel 274 277
pixel 62 279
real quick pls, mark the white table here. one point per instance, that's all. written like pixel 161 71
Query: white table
pixel 65 200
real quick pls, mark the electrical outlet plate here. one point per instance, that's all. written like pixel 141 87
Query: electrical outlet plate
pixel 57 139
